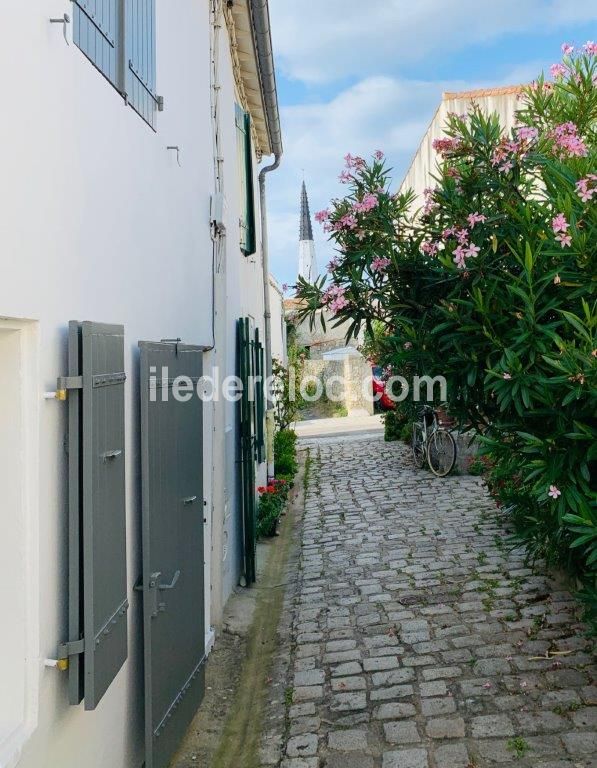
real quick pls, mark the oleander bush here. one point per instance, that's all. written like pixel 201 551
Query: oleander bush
pixel 491 284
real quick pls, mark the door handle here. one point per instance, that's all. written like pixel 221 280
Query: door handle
pixel 172 583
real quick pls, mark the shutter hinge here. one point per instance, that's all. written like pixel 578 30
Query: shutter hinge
pixel 64 383
pixel 160 103
pixel 66 650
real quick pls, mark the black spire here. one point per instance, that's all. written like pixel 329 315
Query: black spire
pixel 306 228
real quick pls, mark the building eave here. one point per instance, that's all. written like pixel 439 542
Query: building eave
pixel 254 70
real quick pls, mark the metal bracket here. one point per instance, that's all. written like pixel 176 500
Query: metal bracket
pixel 66 650
pixel 64 383
pixel 65 20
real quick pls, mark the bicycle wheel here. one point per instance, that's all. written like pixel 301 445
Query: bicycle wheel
pixel 441 452
pixel 418 445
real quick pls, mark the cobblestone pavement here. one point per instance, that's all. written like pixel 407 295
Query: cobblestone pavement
pixel 413 637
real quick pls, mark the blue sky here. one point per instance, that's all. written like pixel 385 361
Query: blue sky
pixel 358 76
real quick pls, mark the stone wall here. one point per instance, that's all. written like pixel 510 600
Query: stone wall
pixel 344 382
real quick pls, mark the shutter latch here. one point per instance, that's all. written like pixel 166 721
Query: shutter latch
pixel 65 383
pixel 66 650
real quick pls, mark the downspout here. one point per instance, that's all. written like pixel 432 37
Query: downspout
pixel 265 57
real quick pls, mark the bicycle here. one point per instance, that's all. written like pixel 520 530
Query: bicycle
pixel 434 443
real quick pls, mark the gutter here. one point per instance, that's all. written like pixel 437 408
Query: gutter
pixel 259 10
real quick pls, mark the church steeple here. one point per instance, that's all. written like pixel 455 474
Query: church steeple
pixel 306 228
pixel 307 262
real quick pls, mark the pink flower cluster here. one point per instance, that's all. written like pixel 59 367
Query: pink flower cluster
pixel 561 226
pixel 368 203
pixel 355 162
pixel 509 150
pixel 380 263
pixel 334 298
pixel 462 252
pixel 476 218
pixel 430 248
pixel 567 141
pixel 333 264
pixel 558 70
pixel 446 147
pixel 590 47
pixel 587 187
pixel 429 204
pixel 322 216
pixel 348 221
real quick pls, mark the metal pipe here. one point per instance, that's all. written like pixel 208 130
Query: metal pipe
pixel 267 75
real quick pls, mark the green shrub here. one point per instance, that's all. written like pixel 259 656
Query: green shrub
pixel 271 504
pixel 285 453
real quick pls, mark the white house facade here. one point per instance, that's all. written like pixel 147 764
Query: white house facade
pixel 131 155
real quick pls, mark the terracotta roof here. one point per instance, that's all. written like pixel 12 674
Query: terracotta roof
pixel 502 90
pixel 294 303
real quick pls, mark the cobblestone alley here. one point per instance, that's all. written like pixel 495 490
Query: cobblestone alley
pixel 413 637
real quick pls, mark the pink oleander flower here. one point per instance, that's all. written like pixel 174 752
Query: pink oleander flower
pixel 368 202
pixel 567 142
pixel 460 257
pixel 429 248
pixel 407 345
pixel 354 161
pixel 284 287
pixel 446 146
pixel 322 216
pixel 527 133
pixel 345 177
pixel 449 232
pixel 360 234
pixel 554 491
pixel 380 263
pixel 462 236
pixel 558 70
pixel 476 218
pixel 472 250
pixel 349 221
pixel 587 187
pixel 453 173
pixel 333 264
pixel 430 203
pixel 559 223
pixel 567 49
pixel 379 155
pixel 334 298
pixel 564 240
pixel 507 376
pixel 590 47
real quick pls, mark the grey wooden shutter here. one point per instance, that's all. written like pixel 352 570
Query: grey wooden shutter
pixel 97 542
pixel 96 31
pixel 141 59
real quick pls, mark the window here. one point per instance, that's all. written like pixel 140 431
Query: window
pixel 118 37
pixel 245 174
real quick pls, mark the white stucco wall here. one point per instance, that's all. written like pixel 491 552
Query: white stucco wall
pixel 278 321
pixel 99 222
pixel 504 102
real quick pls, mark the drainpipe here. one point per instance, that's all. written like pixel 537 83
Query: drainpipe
pixel 267 75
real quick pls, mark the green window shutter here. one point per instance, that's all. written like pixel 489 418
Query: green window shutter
pixel 245 174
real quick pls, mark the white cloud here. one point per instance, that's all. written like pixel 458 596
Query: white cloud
pixel 322 41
